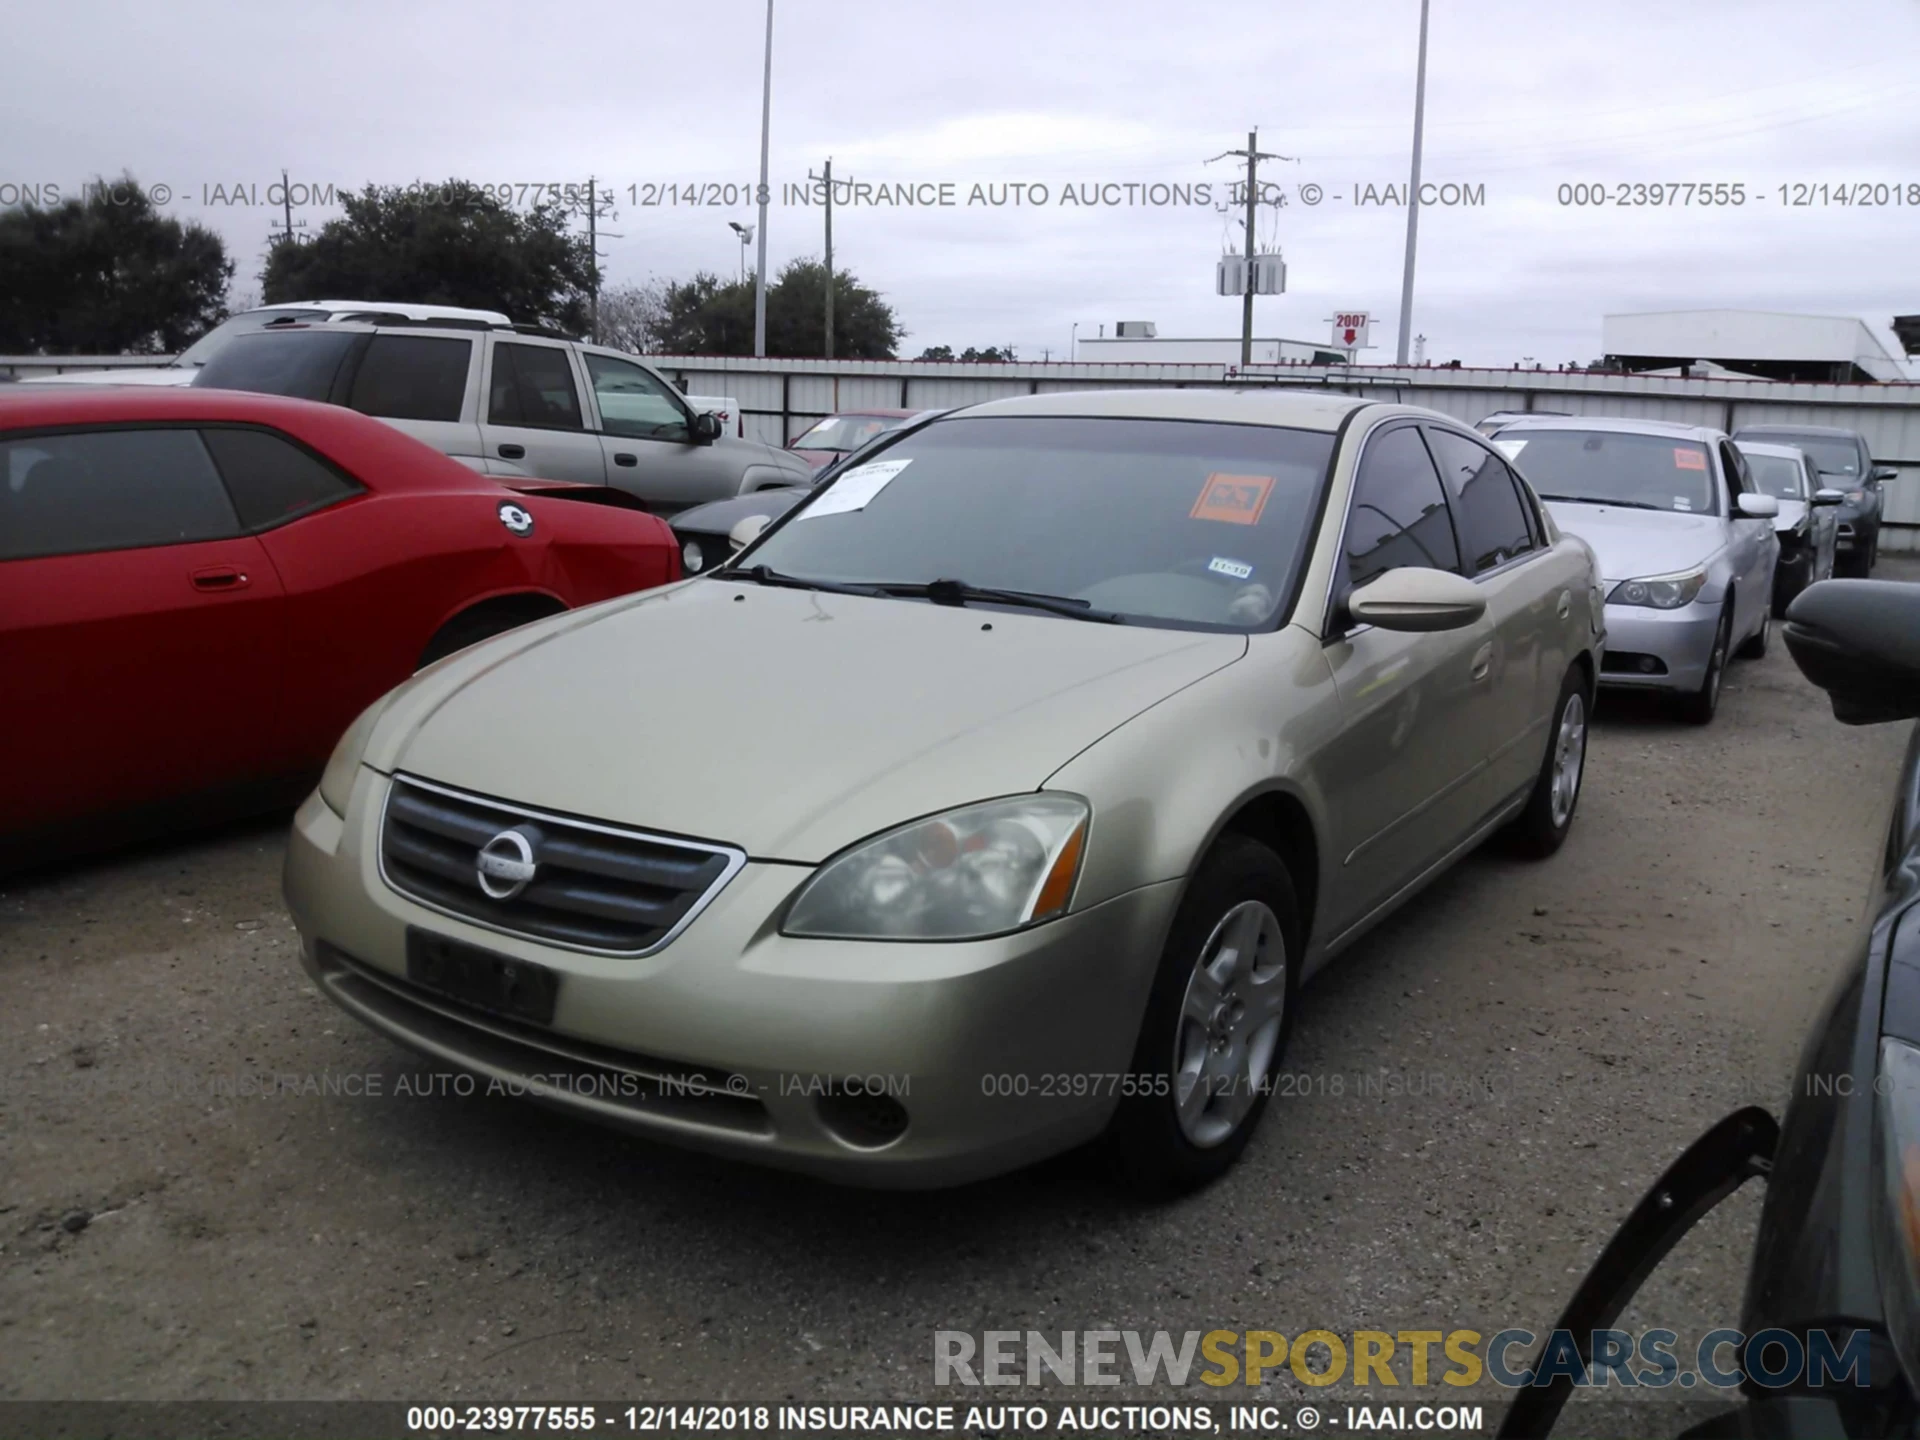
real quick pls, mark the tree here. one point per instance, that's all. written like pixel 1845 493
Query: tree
pixel 103 273
pixel 709 316
pixel 997 354
pixel 936 352
pixel 632 317
pixel 441 244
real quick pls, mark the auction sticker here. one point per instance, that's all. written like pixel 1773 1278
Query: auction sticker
pixel 854 489
pixel 1685 457
pixel 1235 499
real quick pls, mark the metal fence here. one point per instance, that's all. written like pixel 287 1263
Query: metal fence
pixel 781 398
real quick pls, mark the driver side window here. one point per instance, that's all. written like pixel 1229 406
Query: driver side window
pixel 633 403
pixel 1398 515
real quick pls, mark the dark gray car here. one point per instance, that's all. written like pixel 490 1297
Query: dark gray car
pixel 1847 466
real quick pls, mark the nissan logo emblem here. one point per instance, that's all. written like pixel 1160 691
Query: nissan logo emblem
pixel 505 865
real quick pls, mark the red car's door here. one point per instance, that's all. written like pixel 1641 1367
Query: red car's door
pixel 139 629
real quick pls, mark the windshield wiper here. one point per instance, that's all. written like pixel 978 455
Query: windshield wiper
pixel 959 592
pixel 765 575
pixel 1594 500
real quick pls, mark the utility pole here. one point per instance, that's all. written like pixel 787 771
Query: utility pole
pixel 826 182
pixel 286 199
pixel 760 270
pixel 1253 155
pixel 1413 190
pixel 594 236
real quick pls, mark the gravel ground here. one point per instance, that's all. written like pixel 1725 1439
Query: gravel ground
pixel 1579 1021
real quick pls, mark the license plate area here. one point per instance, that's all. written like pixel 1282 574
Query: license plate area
pixel 498 984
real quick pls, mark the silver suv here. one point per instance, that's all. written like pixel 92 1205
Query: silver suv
pixel 510 402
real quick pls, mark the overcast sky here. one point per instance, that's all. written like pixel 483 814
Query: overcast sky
pixel 1522 97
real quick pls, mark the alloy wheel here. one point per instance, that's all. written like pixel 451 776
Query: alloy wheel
pixel 1230 1021
pixel 1569 756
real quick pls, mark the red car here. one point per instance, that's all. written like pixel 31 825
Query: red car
pixel 200 589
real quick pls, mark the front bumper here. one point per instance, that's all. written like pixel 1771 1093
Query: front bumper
pixel 738 1040
pixel 1678 642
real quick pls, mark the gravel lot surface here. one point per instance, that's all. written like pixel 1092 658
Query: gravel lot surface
pixel 1572 1025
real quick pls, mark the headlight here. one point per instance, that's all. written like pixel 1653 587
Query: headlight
pixel 336 783
pixel 1897 1196
pixel 1660 592
pixel 981 870
pixel 1854 497
pixel 691 557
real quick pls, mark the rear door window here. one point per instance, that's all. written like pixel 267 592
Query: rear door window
pixel 271 479
pixel 533 385
pixel 412 377
pixel 100 490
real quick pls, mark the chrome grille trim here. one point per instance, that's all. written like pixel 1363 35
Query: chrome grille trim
pixel 610 877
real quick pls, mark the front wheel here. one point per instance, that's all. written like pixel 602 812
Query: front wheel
pixel 1700 707
pixel 1756 646
pixel 1216 1024
pixel 1542 827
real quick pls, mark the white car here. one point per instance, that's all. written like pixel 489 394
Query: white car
pixel 181 369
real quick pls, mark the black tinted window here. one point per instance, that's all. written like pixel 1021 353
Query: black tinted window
pixel 1399 513
pixel 1486 504
pixel 533 385
pixel 109 490
pixel 412 377
pixel 272 479
pixel 300 363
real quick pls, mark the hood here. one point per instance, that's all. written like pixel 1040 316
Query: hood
pixel 131 375
pixel 1633 543
pixel 784 721
pixel 718 517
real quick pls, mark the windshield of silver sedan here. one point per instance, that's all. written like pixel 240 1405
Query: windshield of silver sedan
pixel 1607 467
pixel 1159 522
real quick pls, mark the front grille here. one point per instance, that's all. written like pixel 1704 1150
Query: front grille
pixel 593 887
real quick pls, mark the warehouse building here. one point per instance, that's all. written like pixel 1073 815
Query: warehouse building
pixel 1763 344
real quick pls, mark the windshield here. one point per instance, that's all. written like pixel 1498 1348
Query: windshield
pixel 1775 475
pixel 1832 454
pixel 245 323
pixel 300 363
pixel 846 432
pixel 1604 467
pixel 1162 521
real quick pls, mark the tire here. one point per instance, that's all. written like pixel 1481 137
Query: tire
pixel 1791 580
pixel 473 626
pixel 1221 1063
pixel 1542 827
pixel 1699 707
pixel 1755 645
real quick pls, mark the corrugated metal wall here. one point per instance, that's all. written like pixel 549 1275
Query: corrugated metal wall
pixel 781 398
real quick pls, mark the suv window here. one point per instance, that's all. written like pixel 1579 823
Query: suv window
pixel 533 385
pixel 1486 502
pixel 412 377
pixel 1399 512
pixel 109 490
pixel 299 363
pixel 632 402
pixel 271 479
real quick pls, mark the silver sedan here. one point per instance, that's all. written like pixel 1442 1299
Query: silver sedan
pixel 1685 539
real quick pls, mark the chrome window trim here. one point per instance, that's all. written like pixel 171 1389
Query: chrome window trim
pixel 735 856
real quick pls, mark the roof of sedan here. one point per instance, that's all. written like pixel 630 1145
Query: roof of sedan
pixel 1829 430
pixel 1296 409
pixel 1780 449
pixel 1706 434
pixel 23 406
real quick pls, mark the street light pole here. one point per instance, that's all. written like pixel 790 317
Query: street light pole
pixel 1413 190
pixel 760 272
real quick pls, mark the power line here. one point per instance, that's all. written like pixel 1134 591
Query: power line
pixel 1253 155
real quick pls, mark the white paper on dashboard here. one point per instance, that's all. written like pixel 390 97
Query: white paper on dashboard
pixel 854 489
pixel 1510 448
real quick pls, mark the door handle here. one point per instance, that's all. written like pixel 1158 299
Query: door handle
pixel 1482 661
pixel 621 457
pixel 219 577
pixel 1566 604
pixel 513 452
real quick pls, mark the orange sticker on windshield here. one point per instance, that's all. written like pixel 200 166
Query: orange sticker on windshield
pixel 1688 459
pixel 1236 499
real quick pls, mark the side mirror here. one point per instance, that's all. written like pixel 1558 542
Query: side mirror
pixel 1416 598
pixel 706 427
pixel 1859 640
pixel 1883 472
pixel 1757 507
pixel 1824 496
pixel 746 531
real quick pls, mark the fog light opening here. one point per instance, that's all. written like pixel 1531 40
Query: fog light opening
pixel 864 1121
